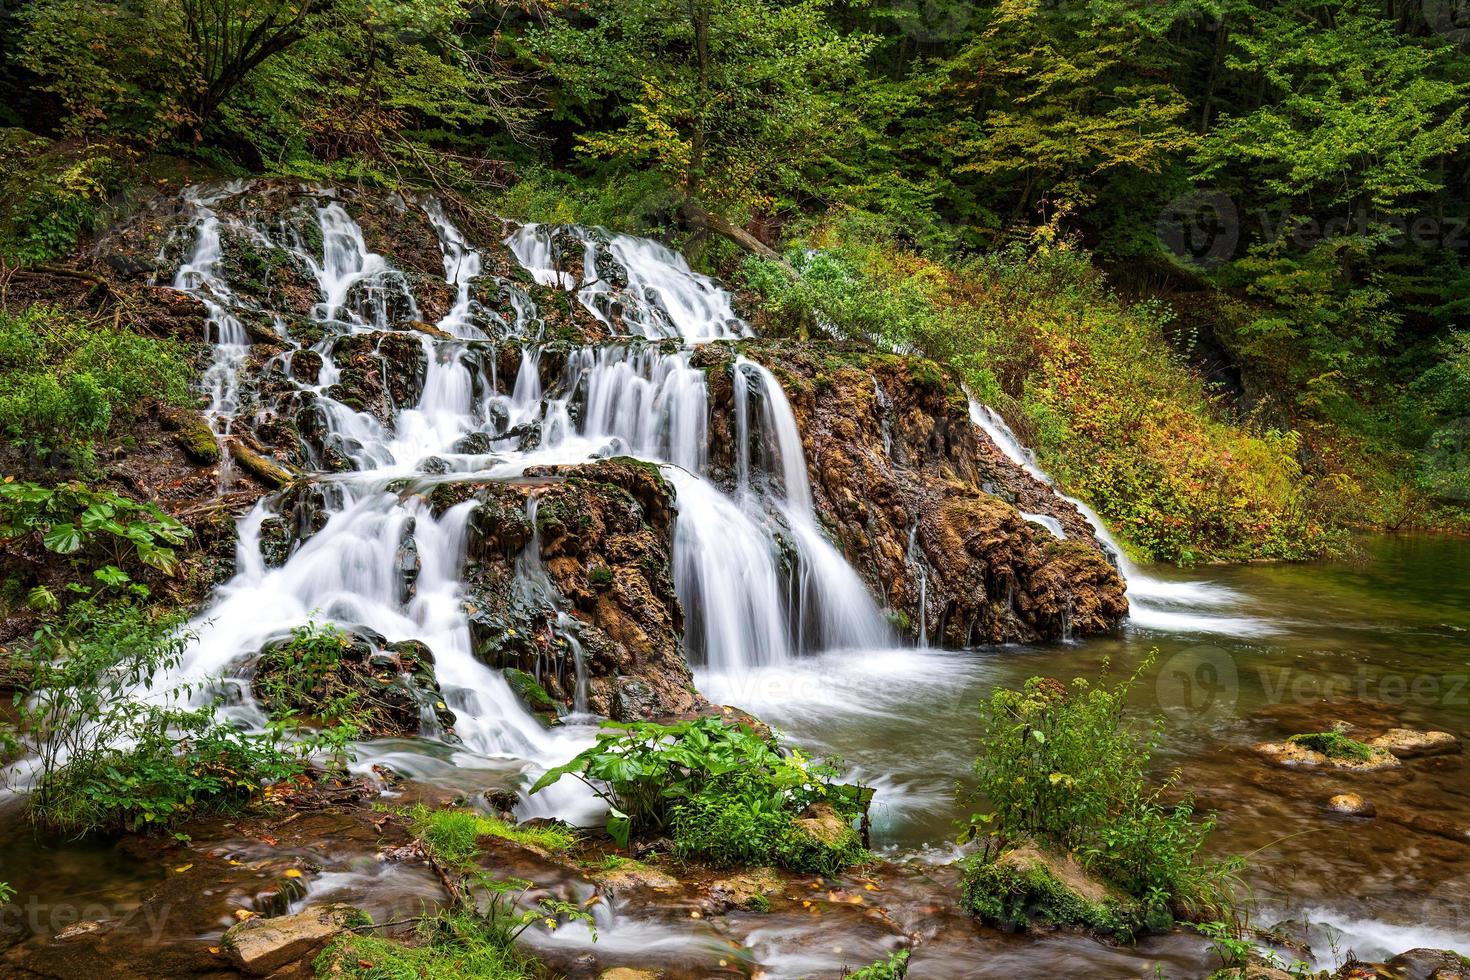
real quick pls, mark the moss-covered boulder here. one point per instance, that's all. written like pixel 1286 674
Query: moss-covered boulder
pixel 1028 887
pixel 325 675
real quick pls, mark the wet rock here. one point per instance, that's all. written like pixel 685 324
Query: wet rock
pixel 530 691
pixel 275 541
pixel 602 536
pixel 821 823
pixel 1405 743
pixel 628 973
pixel 406 564
pixel 1351 805
pixel 1029 886
pixel 392 686
pixel 926 510
pixel 1430 964
pixel 749 890
pixel 260 947
pixel 1292 754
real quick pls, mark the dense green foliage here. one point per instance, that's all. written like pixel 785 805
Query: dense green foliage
pixel 107 760
pixel 454 946
pixel 727 796
pixel 65 380
pixel 452 836
pixel 1064 768
pixel 1277 190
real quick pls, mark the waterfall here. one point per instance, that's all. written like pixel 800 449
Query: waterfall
pixel 1153 603
pixel 759 581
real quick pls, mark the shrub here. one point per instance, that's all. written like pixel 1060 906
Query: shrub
pixel 106 760
pixel 895 967
pixel 727 795
pixel 1063 768
pixel 64 380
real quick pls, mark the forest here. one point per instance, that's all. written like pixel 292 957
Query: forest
pixel 647 489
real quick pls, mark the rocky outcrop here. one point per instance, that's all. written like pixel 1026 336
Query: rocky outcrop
pixel 387 689
pixel 925 508
pixel 572 563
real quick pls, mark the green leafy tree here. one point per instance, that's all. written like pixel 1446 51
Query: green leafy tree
pixel 732 101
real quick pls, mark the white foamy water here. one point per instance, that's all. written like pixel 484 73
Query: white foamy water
pixel 1154 603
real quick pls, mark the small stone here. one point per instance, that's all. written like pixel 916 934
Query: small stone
pixel 1406 743
pixel 1351 805
pixel 628 973
pixel 80 929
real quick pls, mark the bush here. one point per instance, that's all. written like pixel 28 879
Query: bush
pixel 727 795
pixel 1064 769
pixel 64 381
pixel 455 946
pixel 895 967
pixel 105 760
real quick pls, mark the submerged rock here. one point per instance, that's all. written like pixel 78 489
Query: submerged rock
pixel 1406 743
pixel 1351 805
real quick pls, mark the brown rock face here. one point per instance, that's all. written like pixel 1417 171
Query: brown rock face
pixel 926 509
pixel 594 574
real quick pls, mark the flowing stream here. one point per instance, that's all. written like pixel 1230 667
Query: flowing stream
pixel 776 621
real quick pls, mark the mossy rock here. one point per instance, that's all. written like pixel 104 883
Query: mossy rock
pixel 530 691
pixel 1028 887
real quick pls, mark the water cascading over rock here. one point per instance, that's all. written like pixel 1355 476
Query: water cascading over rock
pixel 461 475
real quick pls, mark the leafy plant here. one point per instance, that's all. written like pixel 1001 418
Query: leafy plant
pixel 728 796
pixel 1064 768
pixel 64 380
pixel 895 967
pixel 103 758
pixel 6 892
pixel 73 519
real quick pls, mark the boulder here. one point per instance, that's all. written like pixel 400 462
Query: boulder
pixel 260 947
pixel 1406 743
pixel 1292 754
pixel 1029 886
pixel 394 686
pixel 1430 964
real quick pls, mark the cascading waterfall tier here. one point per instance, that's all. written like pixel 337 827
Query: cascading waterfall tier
pixel 758 580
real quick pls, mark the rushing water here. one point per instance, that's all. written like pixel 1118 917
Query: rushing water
pixel 778 623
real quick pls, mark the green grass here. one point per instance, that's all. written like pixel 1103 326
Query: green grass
pixel 458 948
pixel 1334 745
pixel 452 836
